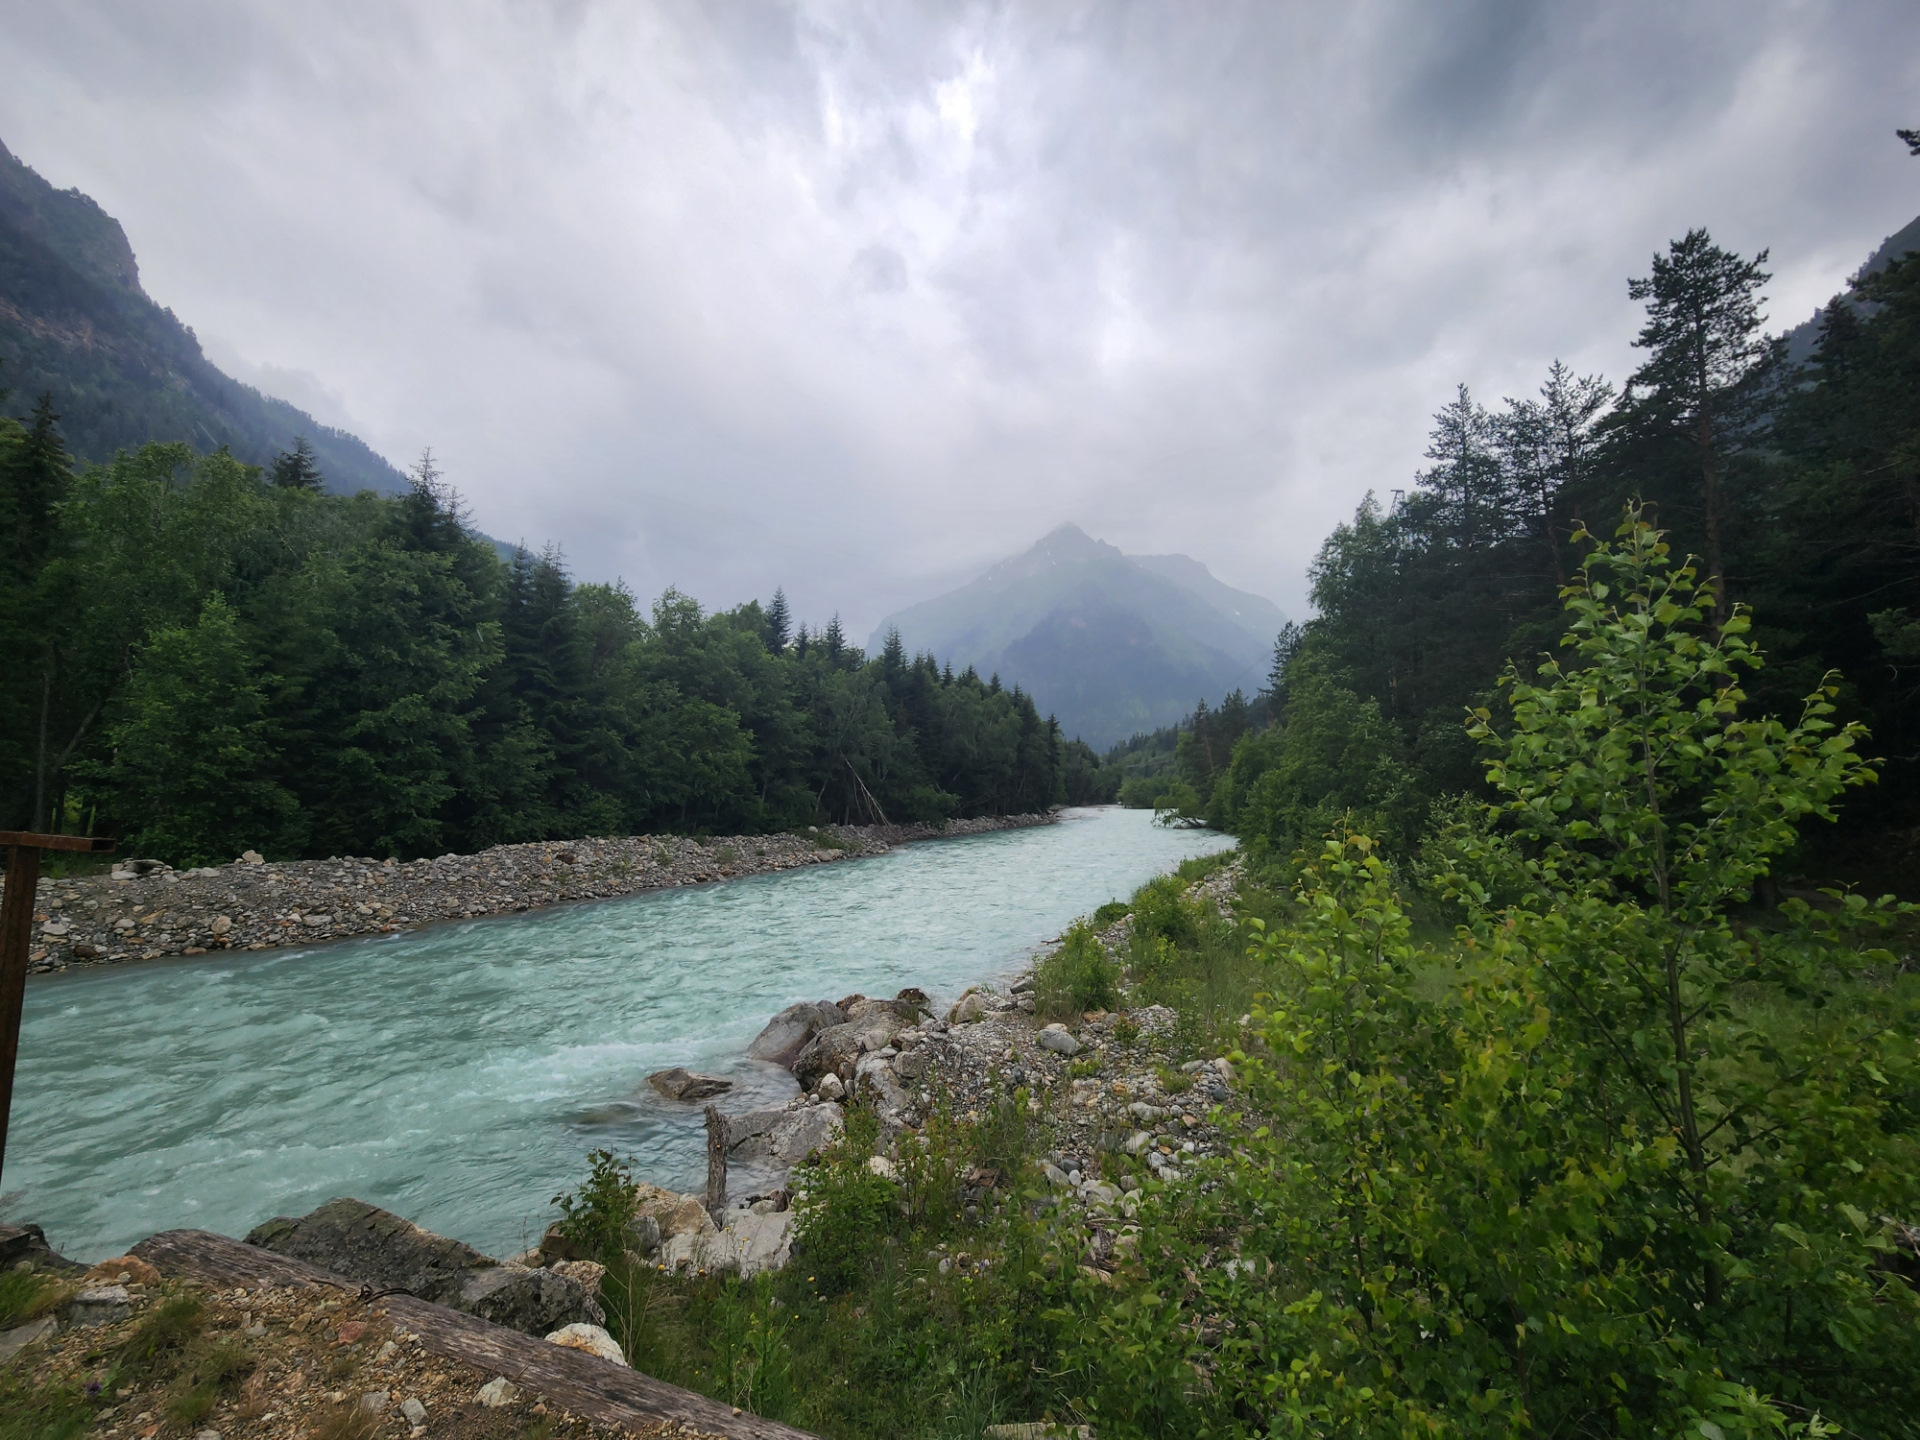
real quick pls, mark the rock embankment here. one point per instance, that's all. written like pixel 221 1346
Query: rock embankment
pixel 291 1362
pixel 145 910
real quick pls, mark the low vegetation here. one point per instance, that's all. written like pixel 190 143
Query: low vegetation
pixel 1553 1132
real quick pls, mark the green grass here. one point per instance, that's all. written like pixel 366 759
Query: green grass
pixel 50 1412
pixel 25 1295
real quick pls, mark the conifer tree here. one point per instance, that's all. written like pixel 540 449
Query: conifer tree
pixel 1705 358
pixel 779 620
pixel 296 469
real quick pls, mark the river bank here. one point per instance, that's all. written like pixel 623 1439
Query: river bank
pixel 146 911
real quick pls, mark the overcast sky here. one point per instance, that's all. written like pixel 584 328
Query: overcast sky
pixel 858 298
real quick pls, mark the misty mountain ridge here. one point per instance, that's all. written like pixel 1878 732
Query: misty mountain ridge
pixel 1803 338
pixel 1112 644
pixel 123 371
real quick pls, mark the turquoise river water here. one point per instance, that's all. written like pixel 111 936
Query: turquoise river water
pixel 460 1074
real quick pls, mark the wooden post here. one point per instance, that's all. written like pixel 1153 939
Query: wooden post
pixel 16 939
pixel 716 1162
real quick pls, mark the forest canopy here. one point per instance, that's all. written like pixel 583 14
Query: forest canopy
pixel 211 656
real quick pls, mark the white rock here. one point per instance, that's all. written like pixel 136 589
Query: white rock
pixel 593 1339
pixel 1136 1143
pixel 1058 1041
pixel 415 1412
pixel 497 1392
pixel 375 1402
pixel 830 1087
pixel 971 1006
pixel 883 1167
pixel 749 1244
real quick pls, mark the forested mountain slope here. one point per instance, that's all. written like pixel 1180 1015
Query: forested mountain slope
pixel 1794 486
pixel 121 371
pixel 1112 644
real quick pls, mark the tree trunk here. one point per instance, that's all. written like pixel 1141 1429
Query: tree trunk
pixel 716 1162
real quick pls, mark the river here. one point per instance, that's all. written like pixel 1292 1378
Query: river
pixel 459 1075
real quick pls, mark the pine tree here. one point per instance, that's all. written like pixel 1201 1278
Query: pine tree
pixel 1546 447
pixel 834 641
pixel 1706 357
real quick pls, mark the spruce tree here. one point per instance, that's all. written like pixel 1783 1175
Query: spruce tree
pixel 779 621
pixel 296 469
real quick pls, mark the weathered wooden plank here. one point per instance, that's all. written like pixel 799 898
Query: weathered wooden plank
pixel 87 844
pixel 586 1385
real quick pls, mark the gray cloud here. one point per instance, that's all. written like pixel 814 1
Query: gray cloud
pixel 856 299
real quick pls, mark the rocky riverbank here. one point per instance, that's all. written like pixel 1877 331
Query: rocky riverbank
pixel 145 910
pixel 1112 1098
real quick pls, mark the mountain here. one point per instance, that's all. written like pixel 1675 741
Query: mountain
pixel 122 371
pixel 1802 338
pixel 1112 644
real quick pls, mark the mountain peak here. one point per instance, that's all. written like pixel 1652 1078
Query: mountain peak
pixel 1069 544
pixel 1111 643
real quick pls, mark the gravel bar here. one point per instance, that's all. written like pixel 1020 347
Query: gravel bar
pixel 145 910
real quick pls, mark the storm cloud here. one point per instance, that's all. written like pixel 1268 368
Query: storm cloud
pixel 856 298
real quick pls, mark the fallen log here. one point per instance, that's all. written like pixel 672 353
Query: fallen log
pixel 582 1384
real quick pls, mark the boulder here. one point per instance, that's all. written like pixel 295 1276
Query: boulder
pixel 834 1050
pixel 750 1125
pixel 587 1274
pixel 27 1245
pixel 685 1215
pixel 366 1243
pixel 679 1083
pixel 913 1064
pixel 1057 1039
pixel 497 1392
pixel 830 1087
pixel 750 1243
pixel 789 1136
pixel 787 1034
pixel 13 1341
pixel 874 1076
pixel 970 1007
pixel 97 1305
pixel 591 1338
pixel 906 1007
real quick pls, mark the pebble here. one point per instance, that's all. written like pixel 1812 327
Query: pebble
pixel 145 909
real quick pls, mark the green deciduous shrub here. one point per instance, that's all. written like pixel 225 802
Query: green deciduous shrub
pixel 595 1216
pixel 1077 977
pixel 846 1211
